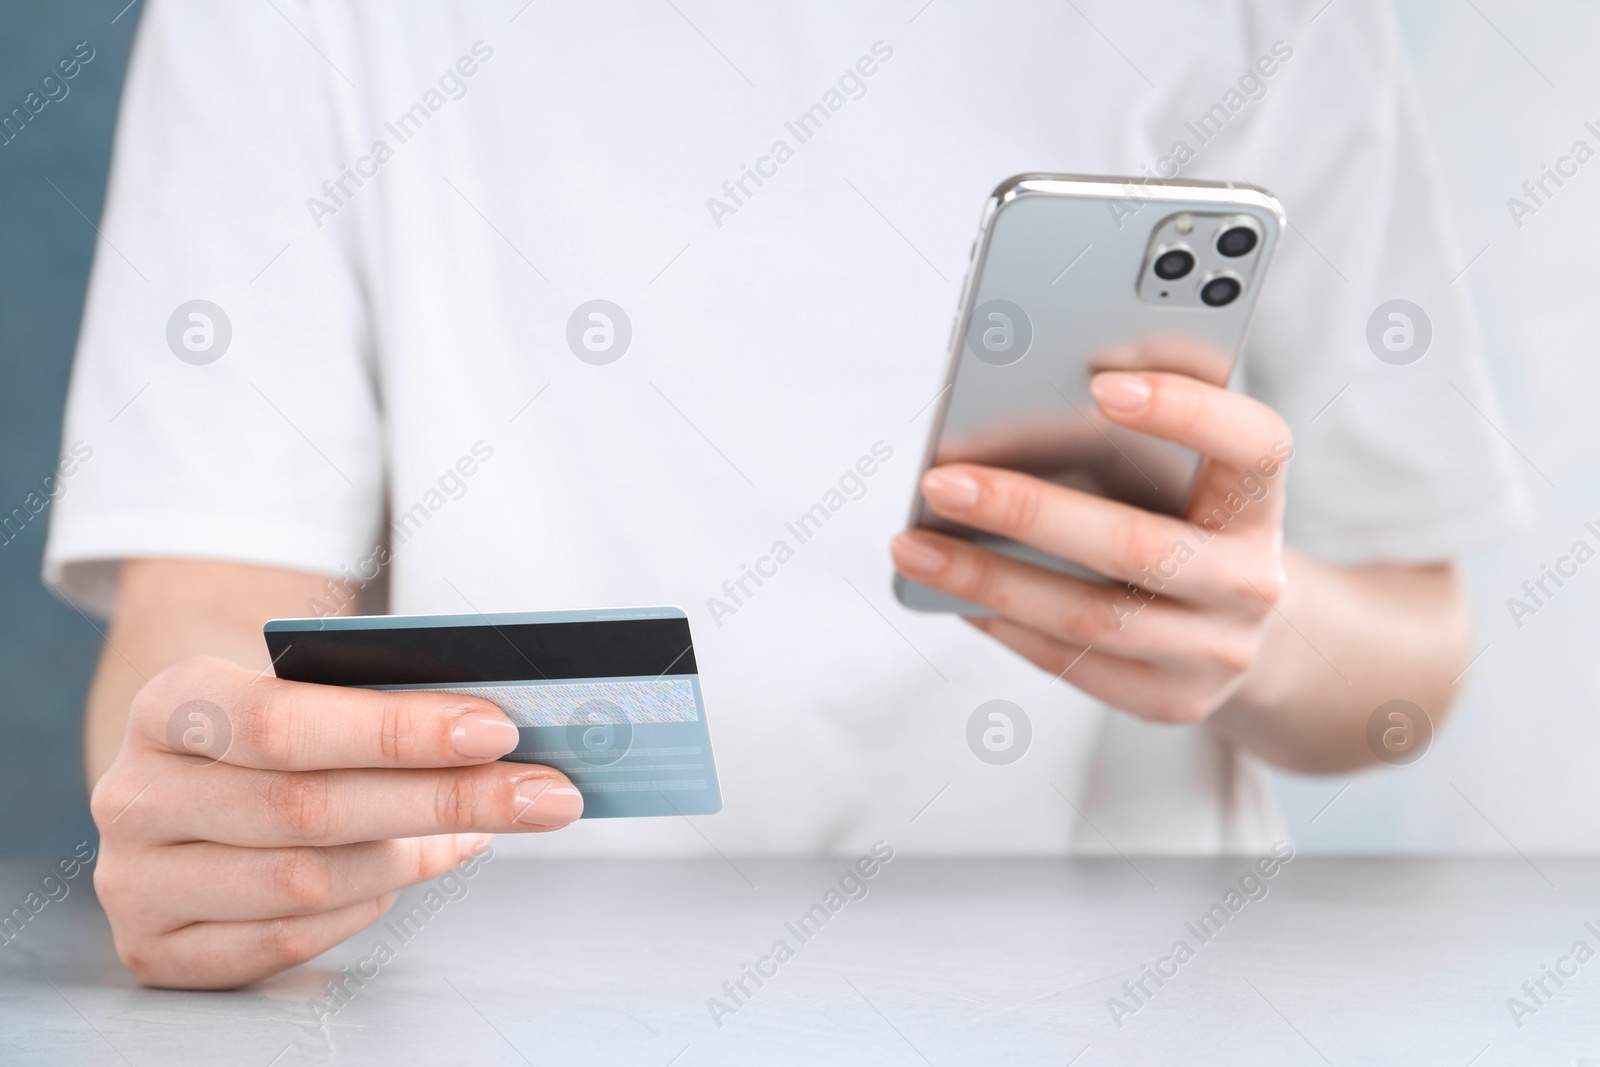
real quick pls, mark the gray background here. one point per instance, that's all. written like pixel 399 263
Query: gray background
pixel 1506 87
pixel 47 649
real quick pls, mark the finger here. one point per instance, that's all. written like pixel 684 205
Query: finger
pixel 1235 430
pixel 286 809
pixel 1199 370
pixel 1122 542
pixel 210 709
pixel 1244 442
pixel 171 886
pixel 227 955
pixel 1141 689
pixel 1113 618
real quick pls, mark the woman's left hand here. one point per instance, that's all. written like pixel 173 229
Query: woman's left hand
pixel 1175 633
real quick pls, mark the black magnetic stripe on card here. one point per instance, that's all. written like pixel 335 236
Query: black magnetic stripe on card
pixel 451 655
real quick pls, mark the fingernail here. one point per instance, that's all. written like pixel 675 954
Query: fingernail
pixel 950 489
pixel 1116 391
pixel 469 845
pixel 479 735
pixel 546 802
pixel 913 554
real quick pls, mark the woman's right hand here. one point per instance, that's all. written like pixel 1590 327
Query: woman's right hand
pixel 248 824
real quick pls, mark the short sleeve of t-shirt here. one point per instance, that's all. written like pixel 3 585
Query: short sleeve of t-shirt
pixel 1364 339
pixel 222 385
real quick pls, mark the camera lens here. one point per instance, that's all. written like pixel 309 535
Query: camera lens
pixel 1236 241
pixel 1174 264
pixel 1220 291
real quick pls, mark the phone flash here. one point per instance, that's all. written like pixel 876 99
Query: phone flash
pixel 1184 225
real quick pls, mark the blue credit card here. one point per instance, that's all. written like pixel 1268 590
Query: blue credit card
pixel 610 697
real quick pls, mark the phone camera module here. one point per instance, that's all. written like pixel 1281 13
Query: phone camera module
pixel 1174 264
pixel 1202 260
pixel 1220 290
pixel 1236 241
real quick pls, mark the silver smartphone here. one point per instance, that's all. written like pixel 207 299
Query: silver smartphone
pixel 1063 267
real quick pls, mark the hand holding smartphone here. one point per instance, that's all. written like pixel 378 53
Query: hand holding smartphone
pixel 1072 276
pixel 1093 496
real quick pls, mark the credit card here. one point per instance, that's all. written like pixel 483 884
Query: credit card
pixel 610 697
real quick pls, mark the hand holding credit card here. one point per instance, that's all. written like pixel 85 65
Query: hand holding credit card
pixel 611 698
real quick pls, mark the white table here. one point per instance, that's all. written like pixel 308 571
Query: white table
pixel 1345 961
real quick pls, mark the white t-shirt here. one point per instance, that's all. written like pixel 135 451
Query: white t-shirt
pixel 398 207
